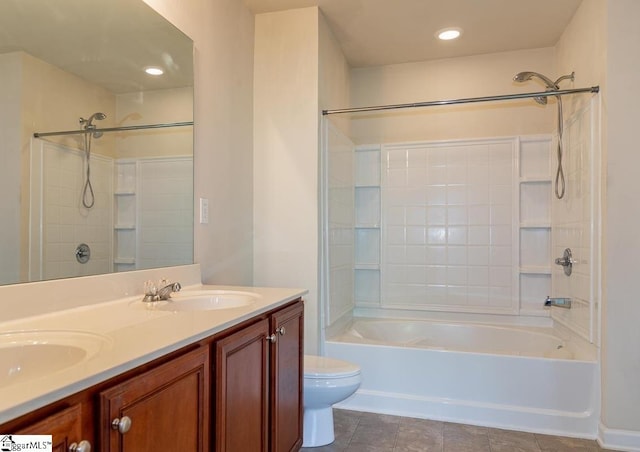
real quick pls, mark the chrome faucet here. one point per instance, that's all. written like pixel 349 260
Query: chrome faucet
pixel 559 302
pixel 165 292
pixel 152 293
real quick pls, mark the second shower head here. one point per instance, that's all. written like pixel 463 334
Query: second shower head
pixel 525 76
pixel 87 124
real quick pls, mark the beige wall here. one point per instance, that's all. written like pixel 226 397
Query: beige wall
pixel 54 100
pixel 10 120
pixel 484 75
pixel 285 156
pixel 222 31
pixel 334 77
pixel 155 107
pixel 621 306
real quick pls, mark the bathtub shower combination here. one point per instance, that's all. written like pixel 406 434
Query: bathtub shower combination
pixel 520 378
pixel 439 259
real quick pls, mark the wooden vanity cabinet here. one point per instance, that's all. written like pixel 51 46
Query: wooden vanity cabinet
pixel 237 391
pixel 258 374
pixel 241 400
pixel 287 376
pixel 165 408
pixel 65 428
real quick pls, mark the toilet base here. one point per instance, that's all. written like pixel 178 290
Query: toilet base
pixel 317 427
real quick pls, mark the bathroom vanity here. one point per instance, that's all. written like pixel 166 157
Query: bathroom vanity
pixel 225 379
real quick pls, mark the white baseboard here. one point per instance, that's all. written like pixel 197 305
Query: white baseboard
pixel 624 440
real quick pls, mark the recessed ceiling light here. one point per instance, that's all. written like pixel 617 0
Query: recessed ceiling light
pixel 447 34
pixel 154 71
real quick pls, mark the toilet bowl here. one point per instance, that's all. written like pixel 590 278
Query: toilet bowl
pixel 326 381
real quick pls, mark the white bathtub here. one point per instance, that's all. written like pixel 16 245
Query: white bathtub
pixel 521 378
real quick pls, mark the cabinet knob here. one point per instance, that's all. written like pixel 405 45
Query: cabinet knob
pixel 272 338
pixel 280 331
pixel 82 446
pixel 122 425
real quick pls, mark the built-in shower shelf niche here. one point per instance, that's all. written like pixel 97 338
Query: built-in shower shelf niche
pixel 535 191
pixel 367 225
pixel 125 220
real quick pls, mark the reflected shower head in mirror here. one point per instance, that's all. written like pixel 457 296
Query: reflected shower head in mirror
pixel 87 124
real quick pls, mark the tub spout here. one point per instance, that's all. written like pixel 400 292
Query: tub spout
pixel 559 302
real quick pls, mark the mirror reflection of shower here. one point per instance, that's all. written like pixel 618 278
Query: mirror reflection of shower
pixel 88 197
pixel 551 86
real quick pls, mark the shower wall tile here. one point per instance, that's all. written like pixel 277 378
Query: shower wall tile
pixel 447 210
pixel 65 222
pixel 165 202
pixel 345 246
pixel 573 226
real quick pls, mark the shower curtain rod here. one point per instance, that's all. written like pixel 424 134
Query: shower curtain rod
pixel 469 100
pixel 113 129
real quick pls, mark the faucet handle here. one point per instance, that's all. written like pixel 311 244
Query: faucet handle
pixel 150 288
pixel 150 291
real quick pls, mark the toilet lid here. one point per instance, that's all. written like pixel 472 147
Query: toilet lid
pixel 324 367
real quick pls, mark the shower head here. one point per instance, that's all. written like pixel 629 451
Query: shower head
pixel 528 75
pixel 87 124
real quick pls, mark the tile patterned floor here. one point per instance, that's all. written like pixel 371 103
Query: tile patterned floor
pixel 360 432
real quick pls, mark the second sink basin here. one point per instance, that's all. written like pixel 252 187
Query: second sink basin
pixel 25 355
pixel 204 300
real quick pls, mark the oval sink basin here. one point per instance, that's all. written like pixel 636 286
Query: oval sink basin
pixel 204 300
pixel 25 355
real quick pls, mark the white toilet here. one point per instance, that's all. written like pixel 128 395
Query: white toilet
pixel 326 381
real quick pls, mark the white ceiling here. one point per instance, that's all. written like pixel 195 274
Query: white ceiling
pixel 380 32
pixel 107 42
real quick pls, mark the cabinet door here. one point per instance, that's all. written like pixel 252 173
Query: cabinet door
pixel 241 414
pixel 65 428
pixel 167 407
pixel 287 379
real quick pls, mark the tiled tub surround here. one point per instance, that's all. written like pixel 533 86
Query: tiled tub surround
pixel 504 376
pixel 460 231
pixel 136 221
pixel 575 223
pixel 59 222
pixel 456 226
pixel 102 305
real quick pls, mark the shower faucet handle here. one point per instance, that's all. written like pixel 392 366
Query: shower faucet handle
pixel 566 261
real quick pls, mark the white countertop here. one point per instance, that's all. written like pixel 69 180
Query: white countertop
pixel 133 335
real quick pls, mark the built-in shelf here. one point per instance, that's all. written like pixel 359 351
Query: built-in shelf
pixel 368 218
pixel 125 220
pixel 535 192
pixel 367 267
pixel 535 180
pixel 535 225
pixel 124 227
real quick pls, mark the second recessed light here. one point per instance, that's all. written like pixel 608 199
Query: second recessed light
pixel 154 71
pixel 447 34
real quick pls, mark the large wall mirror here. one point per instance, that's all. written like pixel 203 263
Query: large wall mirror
pixel 96 155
